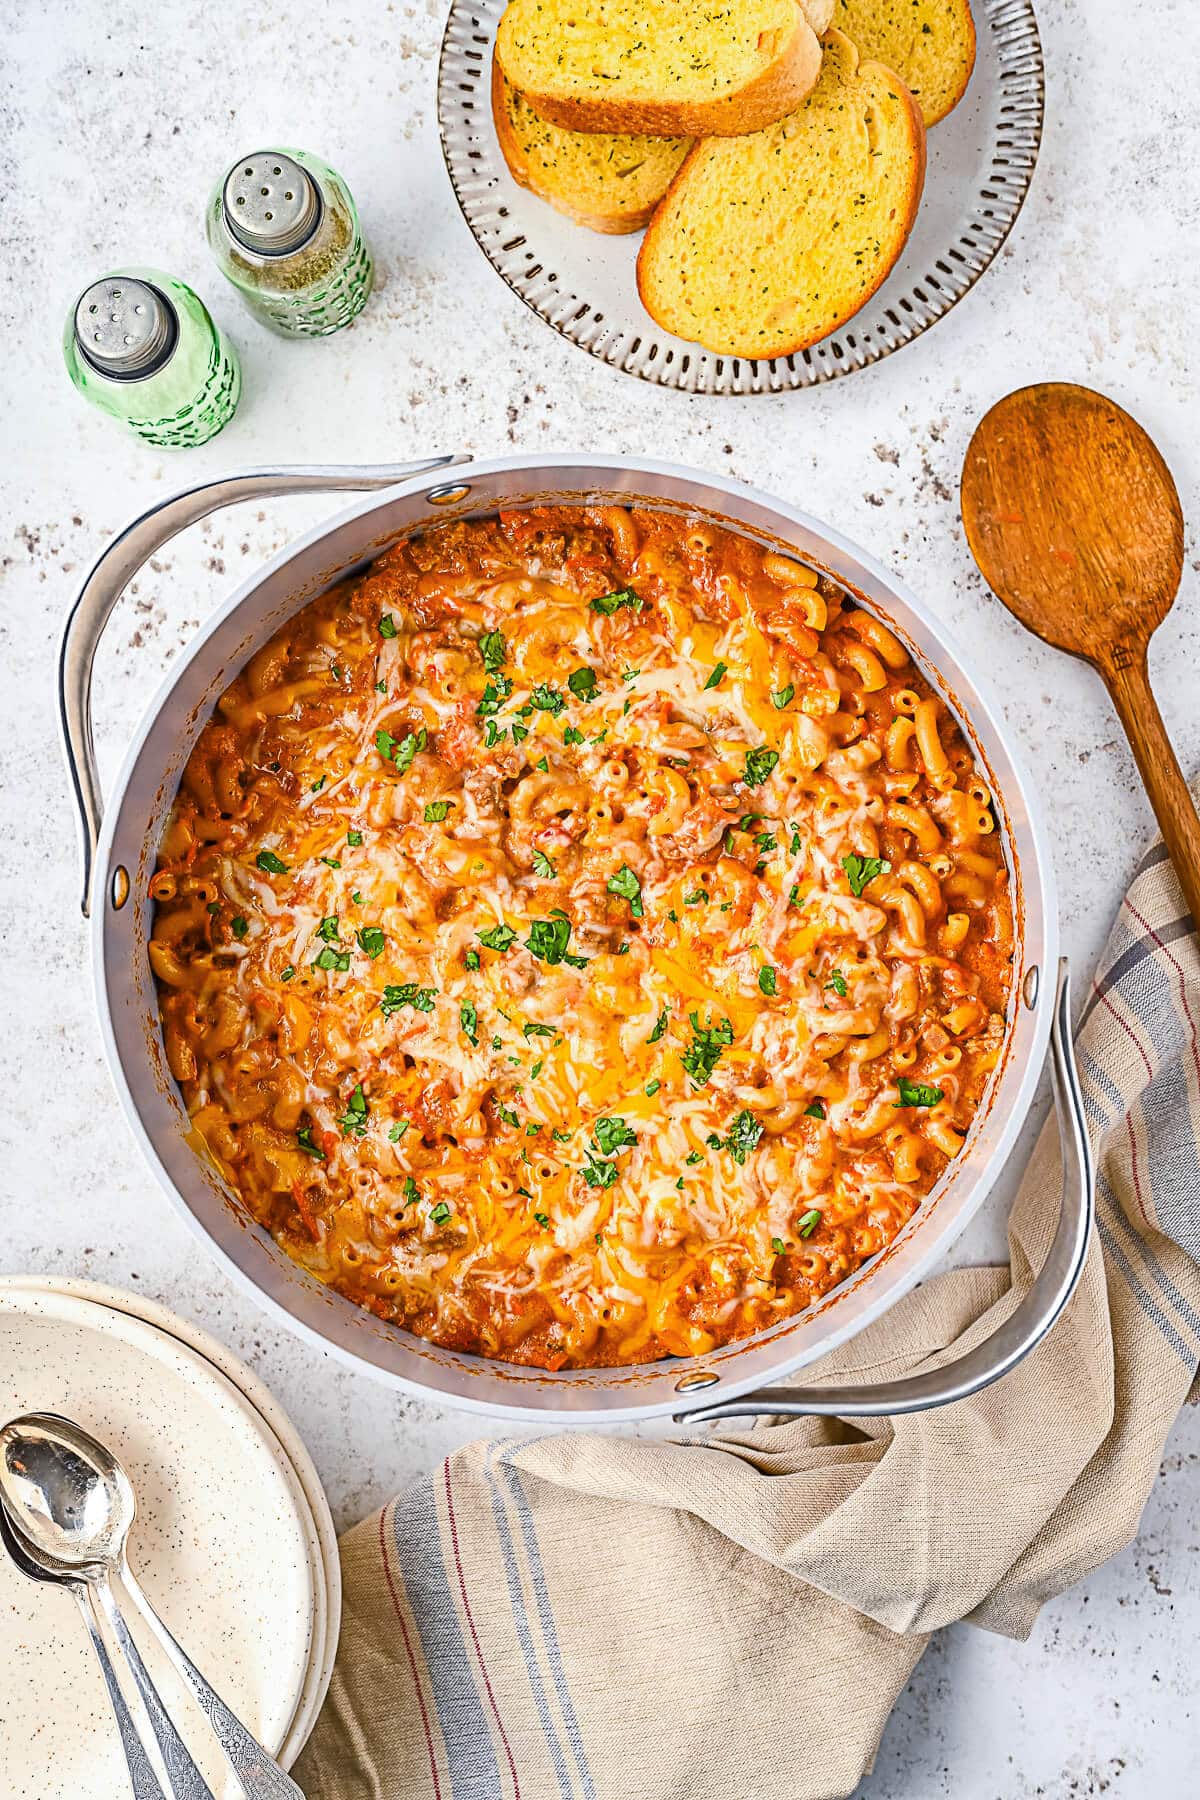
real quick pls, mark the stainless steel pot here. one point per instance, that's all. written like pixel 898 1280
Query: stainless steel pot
pixel 119 859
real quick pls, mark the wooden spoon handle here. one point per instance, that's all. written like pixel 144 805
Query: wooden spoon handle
pixel 1134 700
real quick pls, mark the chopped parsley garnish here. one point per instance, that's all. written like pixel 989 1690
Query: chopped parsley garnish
pixel 698 897
pixel 468 1018
pixel 493 695
pixel 781 697
pixel 613 1135
pixel 334 960
pixel 436 810
pixel 317 785
pixel 766 980
pixel 492 736
pixel 406 993
pixel 664 1019
pixel 779 1247
pixel 652 1088
pixel 743 1137
pixel 412 1192
pixel 583 684
pixel 288 973
pixel 543 866
pixel 863 869
pixel 548 940
pixel 837 981
pixel 808 1224
pixel 693 1157
pixel 471 959
pixel 397 1131
pixel 533 1030
pixel 572 735
pixel 547 699
pixel 440 1213
pixel 387 626
pixel 918 1093
pixel 543 765
pixel 304 1137
pixel 371 940
pixel 239 927
pixel 608 604
pixel 497 937
pixel 328 930
pixel 717 677
pixel 381 687
pixel 270 864
pixel 815 1111
pixel 507 1113
pixel 542 1219
pixel 493 650
pixel 536 1070
pixel 331 862
pixel 704 1053
pixel 599 1174
pixel 626 886
pixel 794 895
pixel 759 764
pixel 354 1120
pixel 354 839
pixel 400 751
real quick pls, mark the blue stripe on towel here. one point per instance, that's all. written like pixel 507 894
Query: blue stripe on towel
pixel 512 1576
pixel 537 1572
pixel 474 1772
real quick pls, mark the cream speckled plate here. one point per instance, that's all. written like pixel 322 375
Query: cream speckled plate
pixel 981 162
pixel 226 1543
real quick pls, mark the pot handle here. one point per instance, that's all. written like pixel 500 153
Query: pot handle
pixel 119 563
pixel 1020 1333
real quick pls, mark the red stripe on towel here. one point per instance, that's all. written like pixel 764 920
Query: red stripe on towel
pixel 412 1661
pixel 462 1588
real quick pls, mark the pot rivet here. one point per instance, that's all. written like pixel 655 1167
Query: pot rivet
pixel 690 1384
pixel 446 496
pixel 1030 985
pixel 120 887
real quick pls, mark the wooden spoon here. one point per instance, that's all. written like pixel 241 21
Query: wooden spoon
pixel 1073 517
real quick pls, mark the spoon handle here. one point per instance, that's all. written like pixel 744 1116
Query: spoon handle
pixel 185 1780
pixel 260 1775
pixel 1137 708
pixel 143 1782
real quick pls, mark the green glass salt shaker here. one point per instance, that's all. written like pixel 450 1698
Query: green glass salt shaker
pixel 142 347
pixel 284 230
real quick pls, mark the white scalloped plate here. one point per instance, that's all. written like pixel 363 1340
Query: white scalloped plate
pixel 227 1541
pixel 981 162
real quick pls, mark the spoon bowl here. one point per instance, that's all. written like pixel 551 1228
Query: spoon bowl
pixel 1075 522
pixel 65 1493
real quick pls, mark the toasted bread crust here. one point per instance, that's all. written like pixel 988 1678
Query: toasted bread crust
pixel 937 114
pixel 838 313
pixel 777 91
pixel 857 24
pixel 610 224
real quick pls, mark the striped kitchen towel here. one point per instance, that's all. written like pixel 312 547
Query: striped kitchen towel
pixel 591 1618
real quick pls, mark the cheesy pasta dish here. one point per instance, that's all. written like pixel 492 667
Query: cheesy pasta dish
pixel 582 939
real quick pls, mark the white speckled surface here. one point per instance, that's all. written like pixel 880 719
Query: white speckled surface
pixel 114 125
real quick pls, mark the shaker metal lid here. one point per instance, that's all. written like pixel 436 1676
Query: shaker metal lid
pixel 125 328
pixel 272 206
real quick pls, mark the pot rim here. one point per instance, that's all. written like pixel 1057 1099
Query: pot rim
pixel 1014 1091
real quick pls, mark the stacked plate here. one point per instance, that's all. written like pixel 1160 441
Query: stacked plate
pixel 234 1542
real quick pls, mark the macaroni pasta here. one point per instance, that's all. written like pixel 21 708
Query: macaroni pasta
pixel 582 939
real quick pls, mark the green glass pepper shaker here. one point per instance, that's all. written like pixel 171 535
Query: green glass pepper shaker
pixel 284 230
pixel 142 346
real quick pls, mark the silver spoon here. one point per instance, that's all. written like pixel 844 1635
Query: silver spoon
pixel 72 1503
pixel 142 1779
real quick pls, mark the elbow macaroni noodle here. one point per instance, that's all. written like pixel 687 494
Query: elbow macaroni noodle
pixel 582 939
